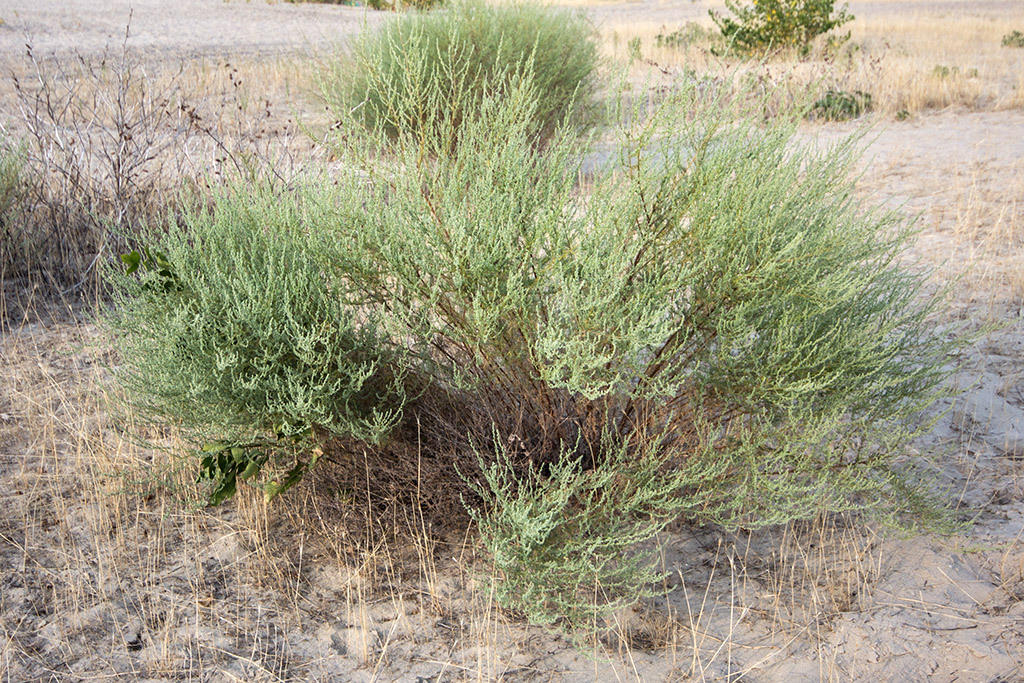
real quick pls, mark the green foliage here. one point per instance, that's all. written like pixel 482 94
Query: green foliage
pixel 689 34
pixel 566 544
pixel 839 105
pixel 230 328
pixel 1013 39
pixel 428 72
pixel 12 169
pixel 943 72
pixel 773 24
pixel 716 330
pixel 635 48
pixel 719 305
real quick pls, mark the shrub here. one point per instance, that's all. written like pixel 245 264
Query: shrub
pixel 768 24
pixel 1013 39
pixel 12 165
pixel 839 105
pixel 428 72
pixel 96 134
pixel 228 324
pixel 718 330
pixel 688 34
pixel 106 142
pixel 565 544
pixel 719 307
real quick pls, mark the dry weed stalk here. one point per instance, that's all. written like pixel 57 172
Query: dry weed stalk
pixel 97 140
pixel 110 144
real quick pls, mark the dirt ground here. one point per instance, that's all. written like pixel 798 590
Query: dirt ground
pixel 223 27
pixel 95 585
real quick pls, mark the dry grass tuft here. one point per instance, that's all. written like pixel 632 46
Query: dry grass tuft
pixel 909 64
pixel 111 142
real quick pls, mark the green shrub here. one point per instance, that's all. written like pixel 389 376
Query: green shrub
pixel 688 34
pixel 12 165
pixel 943 72
pixel 720 295
pixel 768 24
pixel 717 330
pixel 229 326
pixel 428 72
pixel 839 105
pixel 566 544
pixel 1013 39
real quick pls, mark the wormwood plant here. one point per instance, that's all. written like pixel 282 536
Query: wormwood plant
pixel 12 164
pixel 228 325
pixel 427 72
pixel 1013 39
pixel 717 330
pixel 768 24
pixel 719 310
pixel 840 105
pixel 565 542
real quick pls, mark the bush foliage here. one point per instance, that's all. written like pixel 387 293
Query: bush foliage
pixel 12 169
pixel 768 24
pixel 229 325
pixel 429 72
pixel 840 105
pixel 717 330
pixel 1013 39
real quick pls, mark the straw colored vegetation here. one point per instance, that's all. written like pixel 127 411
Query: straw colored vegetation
pixel 910 63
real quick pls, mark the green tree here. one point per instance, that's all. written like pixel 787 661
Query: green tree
pixel 768 24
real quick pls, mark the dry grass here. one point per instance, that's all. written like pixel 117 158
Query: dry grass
pixel 111 142
pixel 909 64
pixel 110 574
pixel 973 214
pixel 114 570
pixel 989 223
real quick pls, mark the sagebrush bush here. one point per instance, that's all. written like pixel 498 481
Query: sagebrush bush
pixel 12 169
pixel 719 293
pixel 768 24
pixel 574 531
pixel 1013 39
pixel 840 105
pixel 228 323
pixel 717 330
pixel 429 72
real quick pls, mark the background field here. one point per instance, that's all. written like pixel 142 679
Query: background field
pixel 104 575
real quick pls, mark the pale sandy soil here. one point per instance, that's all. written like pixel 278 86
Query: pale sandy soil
pixel 98 586
pixel 218 27
pixel 181 28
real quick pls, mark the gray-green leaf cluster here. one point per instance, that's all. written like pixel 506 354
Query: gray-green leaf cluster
pixel 714 328
pixel 427 72
pixel 230 327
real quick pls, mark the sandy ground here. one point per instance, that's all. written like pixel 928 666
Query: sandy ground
pixel 218 27
pixel 100 586
pixel 187 28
